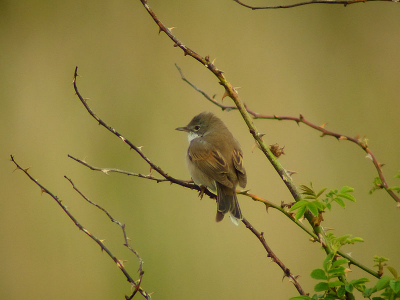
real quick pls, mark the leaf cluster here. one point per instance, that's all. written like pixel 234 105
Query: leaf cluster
pixel 337 242
pixel 333 288
pixel 311 200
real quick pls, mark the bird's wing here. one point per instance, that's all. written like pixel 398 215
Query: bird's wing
pixel 209 161
pixel 238 163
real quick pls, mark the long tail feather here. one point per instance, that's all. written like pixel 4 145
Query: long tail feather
pixel 227 202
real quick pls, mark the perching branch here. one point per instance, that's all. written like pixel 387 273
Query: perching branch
pixel 342 2
pixel 94 238
pixel 267 203
pixel 361 142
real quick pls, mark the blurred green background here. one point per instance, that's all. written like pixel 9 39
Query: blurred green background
pixel 333 64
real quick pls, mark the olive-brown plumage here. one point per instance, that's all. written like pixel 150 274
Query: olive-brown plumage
pixel 215 161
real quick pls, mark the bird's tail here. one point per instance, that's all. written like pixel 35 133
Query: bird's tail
pixel 227 202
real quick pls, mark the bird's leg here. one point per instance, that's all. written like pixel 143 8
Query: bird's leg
pixel 202 191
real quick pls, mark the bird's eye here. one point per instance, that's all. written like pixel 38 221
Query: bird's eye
pixel 196 127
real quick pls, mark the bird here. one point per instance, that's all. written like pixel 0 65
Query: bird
pixel 215 161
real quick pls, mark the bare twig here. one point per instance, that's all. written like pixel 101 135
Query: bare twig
pixel 112 220
pixel 273 257
pixel 361 142
pixel 112 170
pixel 342 2
pixel 94 238
pixel 211 99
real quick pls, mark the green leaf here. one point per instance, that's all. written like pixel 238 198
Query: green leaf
pixel 335 272
pixel 339 269
pixel 340 202
pixel 300 212
pixel 356 239
pixel 377 185
pixel 359 281
pixel 398 175
pixel 335 283
pixel 340 262
pixel 368 292
pixel 346 189
pixel 302 297
pixel 320 192
pixel 393 271
pixel 299 204
pixel 320 287
pixel 306 190
pixel 380 259
pixel 343 239
pixel 341 291
pixel 395 285
pixel 328 262
pixel 321 206
pixel 394 188
pixel 349 288
pixel 318 274
pixel 347 196
pixel 313 208
pixel 382 283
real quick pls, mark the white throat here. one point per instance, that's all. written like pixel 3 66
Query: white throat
pixel 192 136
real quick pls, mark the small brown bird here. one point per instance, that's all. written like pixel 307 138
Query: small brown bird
pixel 215 161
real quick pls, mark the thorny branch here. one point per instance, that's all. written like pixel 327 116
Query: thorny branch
pixel 342 2
pixel 112 170
pixel 273 257
pixel 362 143
pixel 94 238
pixel 112 220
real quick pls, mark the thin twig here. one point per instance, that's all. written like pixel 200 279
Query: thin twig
pixel 113 170
pixel 112 220
pixel 211 99
pixel 342 2
pixel 273 257
pixel 77 223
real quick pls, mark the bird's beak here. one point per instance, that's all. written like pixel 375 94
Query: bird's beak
pixel 183 129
